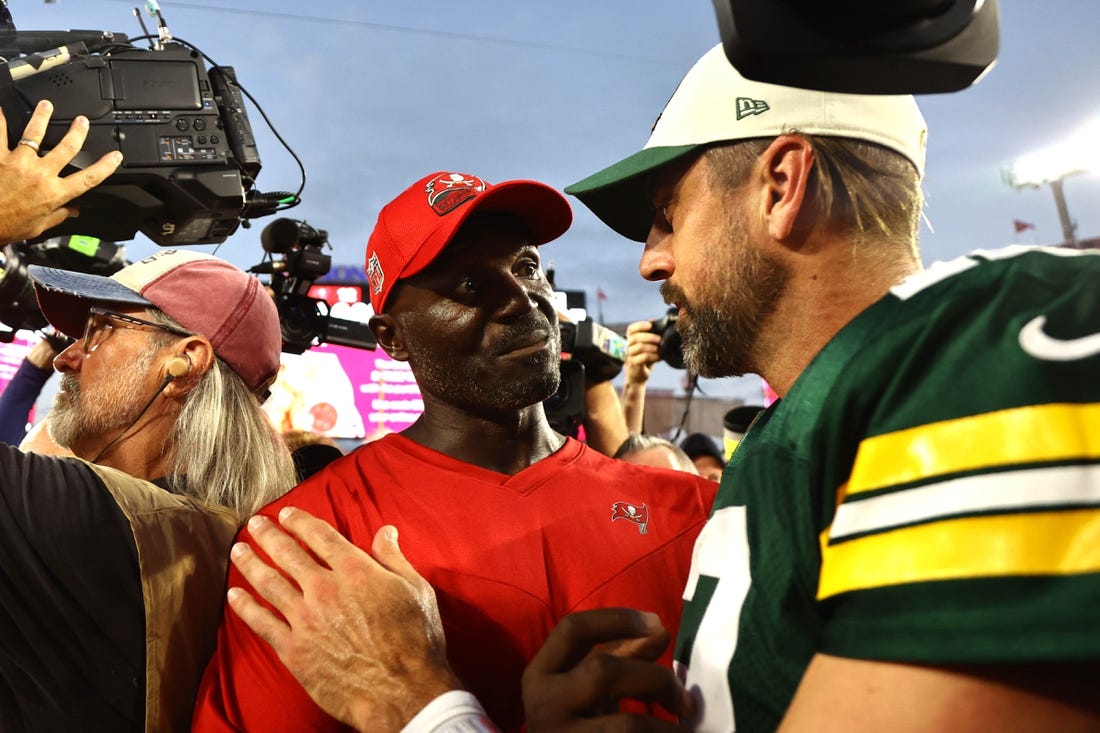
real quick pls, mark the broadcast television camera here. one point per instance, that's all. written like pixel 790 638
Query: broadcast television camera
pixel 190 159
pixel 304 320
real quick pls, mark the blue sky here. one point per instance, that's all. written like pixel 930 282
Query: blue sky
pixel 373 95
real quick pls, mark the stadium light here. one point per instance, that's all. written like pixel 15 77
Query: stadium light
pixel 1079 153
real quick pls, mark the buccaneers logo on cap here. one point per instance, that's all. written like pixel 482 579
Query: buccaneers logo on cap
pixel 631 513
pixel 448 191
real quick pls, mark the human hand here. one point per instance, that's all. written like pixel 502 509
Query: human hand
pixel 591 661
pixel 362 635
pixel 641 351
pixel 35 196
pixel 41 355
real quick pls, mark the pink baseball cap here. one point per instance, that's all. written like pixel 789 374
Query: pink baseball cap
pixel 202 293
pixel 419 224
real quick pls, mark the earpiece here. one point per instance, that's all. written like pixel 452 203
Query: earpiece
pixel 178 366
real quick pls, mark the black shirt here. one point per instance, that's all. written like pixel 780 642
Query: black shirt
pixel 72 619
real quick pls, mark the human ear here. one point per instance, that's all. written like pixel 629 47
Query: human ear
pixel 387 333
pixel 187 363
pixel 787 165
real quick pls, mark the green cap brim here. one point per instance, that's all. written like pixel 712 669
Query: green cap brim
pixel 620 194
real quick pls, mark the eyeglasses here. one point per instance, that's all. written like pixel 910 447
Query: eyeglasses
pixel 100 323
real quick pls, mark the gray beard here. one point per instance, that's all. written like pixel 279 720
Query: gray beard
pixel 76 418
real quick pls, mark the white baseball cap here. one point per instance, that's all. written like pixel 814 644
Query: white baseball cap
pixel 714 103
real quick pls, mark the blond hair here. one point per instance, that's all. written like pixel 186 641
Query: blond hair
pixel 857 188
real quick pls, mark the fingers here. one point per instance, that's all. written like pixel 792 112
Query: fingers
pixel 85 180
pixel 316 534
pixel 608 679
pixel 575 676
pixel 648 648
pixel 642 344
pixel 389 555
pixel 69 145
pixel 269 583
pixel 576 635
pixel 263 622
pixel 36 126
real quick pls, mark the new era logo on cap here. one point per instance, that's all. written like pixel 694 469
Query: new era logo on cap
pixel 747 106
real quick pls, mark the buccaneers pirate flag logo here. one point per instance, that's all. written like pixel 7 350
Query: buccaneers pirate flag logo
pixel 631 513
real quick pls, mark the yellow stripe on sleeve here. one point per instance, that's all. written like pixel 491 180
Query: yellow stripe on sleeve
pixel 1037 543
pixel 1033 434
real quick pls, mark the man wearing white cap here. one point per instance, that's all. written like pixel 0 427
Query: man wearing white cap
pixel 907 539
pixel 114 562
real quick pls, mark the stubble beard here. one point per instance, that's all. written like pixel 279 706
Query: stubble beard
pixel 721 325
pixel 472 384
pixel 77 417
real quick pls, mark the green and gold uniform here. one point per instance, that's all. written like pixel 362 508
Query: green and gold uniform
pixel 928 491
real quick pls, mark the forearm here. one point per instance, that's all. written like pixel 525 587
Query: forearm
pixel 633 402
pixel 605 427
pixel 17 400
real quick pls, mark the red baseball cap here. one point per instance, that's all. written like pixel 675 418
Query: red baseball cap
pixel 417 225
pixel 202 293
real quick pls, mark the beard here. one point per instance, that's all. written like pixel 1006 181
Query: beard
pixel 476 383
pixel 77 417
pixel 721 324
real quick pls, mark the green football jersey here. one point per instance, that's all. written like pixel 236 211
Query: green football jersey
pixel 928 491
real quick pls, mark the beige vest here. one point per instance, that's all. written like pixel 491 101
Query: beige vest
pixel 183 553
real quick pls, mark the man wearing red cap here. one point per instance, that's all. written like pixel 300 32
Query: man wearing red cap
pixel 114 562
pixel 514 525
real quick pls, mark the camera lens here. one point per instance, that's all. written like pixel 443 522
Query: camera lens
pixel 18 306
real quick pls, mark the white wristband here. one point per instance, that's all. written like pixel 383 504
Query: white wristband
pixel 456 711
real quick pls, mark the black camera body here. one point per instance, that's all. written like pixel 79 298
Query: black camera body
pixel 671 349
pixel 597 347
pixel 861 46
pixel 190 159
pixel 304 320
pixel 565 409
pixel 18 305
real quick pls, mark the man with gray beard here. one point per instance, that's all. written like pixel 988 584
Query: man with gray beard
pixel 514 525
pixel 114 561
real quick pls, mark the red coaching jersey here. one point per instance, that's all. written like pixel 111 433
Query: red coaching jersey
pixel 508 556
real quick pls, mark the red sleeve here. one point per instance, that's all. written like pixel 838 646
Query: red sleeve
pixel 246 687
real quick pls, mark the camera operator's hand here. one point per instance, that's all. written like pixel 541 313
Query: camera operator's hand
pixel 642 352
pixel 33 194
pixel 41 355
